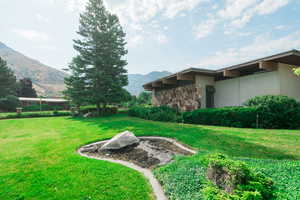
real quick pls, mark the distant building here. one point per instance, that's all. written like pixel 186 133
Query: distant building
pixel 49 101
pixel 196 88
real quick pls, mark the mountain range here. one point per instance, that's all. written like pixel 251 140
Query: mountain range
pixel 49 81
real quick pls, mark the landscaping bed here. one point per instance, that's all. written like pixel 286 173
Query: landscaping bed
pixel 149 153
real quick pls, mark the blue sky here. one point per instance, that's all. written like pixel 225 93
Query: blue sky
pixel 162 34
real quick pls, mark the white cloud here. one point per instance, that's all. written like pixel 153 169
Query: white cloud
pixel 235 8
pixel 162 38
pixel 262 45
pixel 135 40
pixel 42 18
pixel 75 5
pixel 32 35
pixel 205 28
pixel 237 13
pixel 270 6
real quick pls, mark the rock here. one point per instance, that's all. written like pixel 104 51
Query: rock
pixel 120 141
pixel 87 115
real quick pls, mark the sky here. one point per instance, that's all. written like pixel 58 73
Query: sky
pixel 162 35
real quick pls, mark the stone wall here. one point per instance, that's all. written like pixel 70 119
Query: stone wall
pixel 184 98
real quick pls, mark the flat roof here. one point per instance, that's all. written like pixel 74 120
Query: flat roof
pixel 49 100
pixel 291 57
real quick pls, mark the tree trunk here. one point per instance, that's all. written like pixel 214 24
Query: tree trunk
pixel 98 108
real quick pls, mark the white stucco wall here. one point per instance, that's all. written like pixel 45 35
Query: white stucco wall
pixel 202 82
pixel 289 82
pixel 234 92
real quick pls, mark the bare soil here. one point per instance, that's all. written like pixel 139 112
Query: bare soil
pixel 149 153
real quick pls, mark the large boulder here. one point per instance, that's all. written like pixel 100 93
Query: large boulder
pixel 120 141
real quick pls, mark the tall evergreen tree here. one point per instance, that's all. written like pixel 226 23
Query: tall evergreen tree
pixel 7 80
pixel 25 88
pixel 76 83
pixel 102 49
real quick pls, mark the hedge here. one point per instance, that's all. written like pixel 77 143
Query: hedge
pixel 241 117
pixel 43 107
pixel 34 114
pixel 162 113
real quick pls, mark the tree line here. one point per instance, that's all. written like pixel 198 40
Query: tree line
pixel 10 88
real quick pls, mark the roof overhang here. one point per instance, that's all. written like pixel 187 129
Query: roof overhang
pixel 268 63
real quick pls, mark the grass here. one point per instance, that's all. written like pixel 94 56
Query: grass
pixel 40 161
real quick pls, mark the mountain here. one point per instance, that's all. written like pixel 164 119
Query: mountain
pixel 46 80
pixel 136 81
pixel 50 82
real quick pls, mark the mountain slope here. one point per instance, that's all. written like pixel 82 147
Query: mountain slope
pixel 46 80
pixel 136 81
pixel 50 82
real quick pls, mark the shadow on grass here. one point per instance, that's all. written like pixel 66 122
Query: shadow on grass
pixel 202 138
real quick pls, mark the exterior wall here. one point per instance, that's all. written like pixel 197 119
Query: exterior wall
pixel 202 82
pixel 289 82
pixel 236 91
pixel 184 98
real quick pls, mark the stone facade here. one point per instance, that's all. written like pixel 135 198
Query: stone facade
pixel 184 98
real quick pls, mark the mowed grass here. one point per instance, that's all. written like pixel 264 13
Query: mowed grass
pixel 38 156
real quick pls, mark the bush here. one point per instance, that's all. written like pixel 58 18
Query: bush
pixel 43 107
pixel 105 111
pixel 231 179
pixel 34 114
pixel 9 103
pixel 276 111
pixel 162 113
pixel 228 116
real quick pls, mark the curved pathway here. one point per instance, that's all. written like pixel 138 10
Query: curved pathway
pixel 156 187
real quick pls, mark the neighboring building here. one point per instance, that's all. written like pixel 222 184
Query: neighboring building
pixel 24 101
pixel 195 88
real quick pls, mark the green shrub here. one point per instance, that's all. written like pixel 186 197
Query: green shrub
pixel 162 113
pixel 35 114
pixel 43 107
pixel 110 110
pixel 9 103
pixel 241 117
pixel 233 180
pixel 276 111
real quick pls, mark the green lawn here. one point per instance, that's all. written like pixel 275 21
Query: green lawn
pixel 38 158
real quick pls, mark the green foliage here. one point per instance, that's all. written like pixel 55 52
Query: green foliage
pixel 186 179
pixel 34 114
pixel 8 84
pixel 107 111
pixel 25 88
pixel 235 175
pixel 9 103
pixel 162 113
pixel 76 89
pixel 99 68
pixel 274 109
pixel 43 107
pixel 228 116
pixel 297 71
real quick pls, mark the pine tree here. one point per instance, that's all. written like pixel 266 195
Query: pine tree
pixel 25 88
pixel 102 49
pixel 7 80
pixel 76 83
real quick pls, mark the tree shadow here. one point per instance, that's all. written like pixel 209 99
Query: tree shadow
pixel 201 138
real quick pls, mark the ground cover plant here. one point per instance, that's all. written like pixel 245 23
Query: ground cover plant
pixel 41 163
pixel 185 178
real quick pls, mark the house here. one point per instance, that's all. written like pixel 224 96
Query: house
pixel 24 101
pixel 196 88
